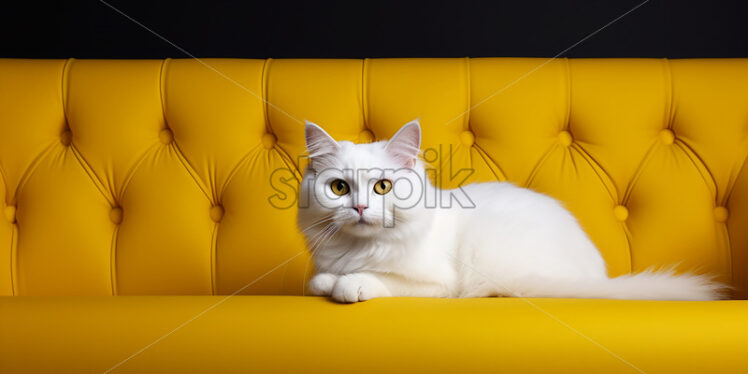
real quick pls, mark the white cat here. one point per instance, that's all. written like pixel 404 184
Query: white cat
pixel 376 228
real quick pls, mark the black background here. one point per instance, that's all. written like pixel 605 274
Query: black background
pixel 91 29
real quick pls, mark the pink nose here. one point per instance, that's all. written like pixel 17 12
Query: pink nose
pixel 360 209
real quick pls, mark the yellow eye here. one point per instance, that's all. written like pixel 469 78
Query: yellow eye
pixel 383 186
pixel 339 187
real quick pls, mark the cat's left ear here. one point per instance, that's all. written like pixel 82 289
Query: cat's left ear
pixel 406 143
pixel 318 141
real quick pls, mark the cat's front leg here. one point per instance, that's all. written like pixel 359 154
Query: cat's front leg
pixel 351 288
pixel 322 284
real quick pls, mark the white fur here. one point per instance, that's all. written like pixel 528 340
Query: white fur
pixel 513 242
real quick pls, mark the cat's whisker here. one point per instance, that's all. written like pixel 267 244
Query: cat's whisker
pixel 330 233
pixel 314 239
pixel 327 220
pixel 318 222
pixel 320 238
pixel 306 267
pixel 395 219
pixel 330 236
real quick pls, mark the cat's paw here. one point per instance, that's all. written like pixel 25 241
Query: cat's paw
pixel 322 284
pixel 351 288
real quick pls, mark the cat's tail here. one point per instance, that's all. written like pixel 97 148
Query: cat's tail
pixel 647 285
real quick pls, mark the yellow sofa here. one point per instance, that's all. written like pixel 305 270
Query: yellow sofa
pixel 150 179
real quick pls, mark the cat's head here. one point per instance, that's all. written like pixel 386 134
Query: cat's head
pixel 361 190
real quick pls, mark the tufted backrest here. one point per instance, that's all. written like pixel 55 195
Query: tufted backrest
pixel 179 176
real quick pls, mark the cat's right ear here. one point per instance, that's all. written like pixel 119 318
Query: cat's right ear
pixel 318 142
pixel 405 145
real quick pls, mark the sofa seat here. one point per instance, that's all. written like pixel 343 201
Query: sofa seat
pixel 180 177
pixel 310 334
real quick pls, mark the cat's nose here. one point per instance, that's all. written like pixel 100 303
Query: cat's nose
pixel 360 209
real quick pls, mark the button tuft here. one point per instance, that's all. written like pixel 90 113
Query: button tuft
pixel 115 215
pixel 66 137
pixel 467 138
pixel 10 213
pixel 269 140
pixel 564 138
pixel 721 214
pixel 166 136
pixel 621 213
pixel 216 213
pixel 366 136
pixel 667 136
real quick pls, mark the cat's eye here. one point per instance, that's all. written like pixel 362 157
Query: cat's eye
pixel 339 187
pixel 382 186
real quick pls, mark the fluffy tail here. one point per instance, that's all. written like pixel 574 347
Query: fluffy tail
pixel 647 285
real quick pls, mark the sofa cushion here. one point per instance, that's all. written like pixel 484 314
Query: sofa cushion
pixel 166 177
pixel 294 334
